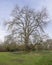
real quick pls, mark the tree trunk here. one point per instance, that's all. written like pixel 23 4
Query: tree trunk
pixel 26 44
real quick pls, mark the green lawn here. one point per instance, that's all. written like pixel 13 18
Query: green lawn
pixel 32 58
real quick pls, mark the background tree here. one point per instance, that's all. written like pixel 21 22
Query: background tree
pixel 25 22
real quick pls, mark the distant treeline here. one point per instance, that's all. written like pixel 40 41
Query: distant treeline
pixel 6 47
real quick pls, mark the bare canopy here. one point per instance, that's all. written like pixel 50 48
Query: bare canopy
pixel 26 22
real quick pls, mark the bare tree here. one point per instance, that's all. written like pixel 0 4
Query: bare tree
pixel 25 22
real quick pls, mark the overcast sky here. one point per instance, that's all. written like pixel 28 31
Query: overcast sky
pixel 6 6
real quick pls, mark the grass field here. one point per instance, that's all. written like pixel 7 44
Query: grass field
pixel 32 58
